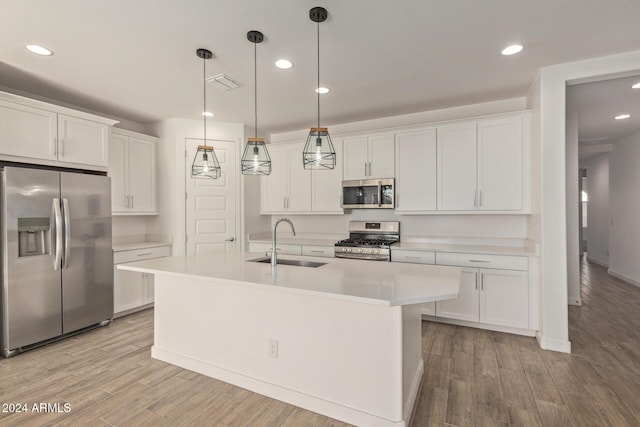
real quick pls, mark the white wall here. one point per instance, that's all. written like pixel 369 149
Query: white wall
pixel 624 211
pixel 598 208
pixel 554 328
pixel 573 201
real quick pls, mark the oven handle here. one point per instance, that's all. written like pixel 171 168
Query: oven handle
pixel 367 257
pixel 379 193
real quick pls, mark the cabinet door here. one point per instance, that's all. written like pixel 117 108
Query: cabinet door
pixel 466 306
pixel 500 164
pixel 82 141
pixel 127 290
pixel 27 131
pixel 504 298
pixel 326 186
pixel 356 158
pixel 142 175
pixel 381 156
pixel 457 155
pixel 415 154
pixel 273 187
pixel 118 160
pixel 299 180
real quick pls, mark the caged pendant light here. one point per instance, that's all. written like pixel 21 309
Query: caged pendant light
pixel 205 163
pixel 318 151
pixel 255 159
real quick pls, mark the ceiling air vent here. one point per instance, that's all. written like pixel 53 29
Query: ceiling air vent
pixel 224 82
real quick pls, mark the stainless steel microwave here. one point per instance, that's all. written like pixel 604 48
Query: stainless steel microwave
pixel 368 194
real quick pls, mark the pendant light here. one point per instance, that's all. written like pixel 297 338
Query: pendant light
pixel 255 160
pixel 318 151
pixel 205 163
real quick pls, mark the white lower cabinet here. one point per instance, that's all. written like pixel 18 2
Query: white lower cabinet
pixel 291 249
pixel 467 305
pixel 133 291
pixel 491 297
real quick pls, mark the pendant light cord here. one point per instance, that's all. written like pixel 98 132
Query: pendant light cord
pixel 318 86
pixel 255 88
pixel 204 100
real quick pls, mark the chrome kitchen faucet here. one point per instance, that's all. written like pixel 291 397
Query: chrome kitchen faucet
pixel 274 255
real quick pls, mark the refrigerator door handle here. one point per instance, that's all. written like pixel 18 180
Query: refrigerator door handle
pixel 57 218
pixel 67 233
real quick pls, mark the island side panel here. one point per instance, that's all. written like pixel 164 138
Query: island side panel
pixel 336 357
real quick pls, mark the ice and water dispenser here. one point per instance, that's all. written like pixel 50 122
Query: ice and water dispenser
pixel 33 236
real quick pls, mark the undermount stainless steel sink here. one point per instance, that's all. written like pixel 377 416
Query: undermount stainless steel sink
pixel 296 262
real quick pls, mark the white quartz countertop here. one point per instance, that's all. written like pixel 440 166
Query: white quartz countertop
pixel 138 245
pixel 462 248
pixel 373 282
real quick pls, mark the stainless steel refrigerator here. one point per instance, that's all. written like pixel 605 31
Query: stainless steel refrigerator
pixel 57 262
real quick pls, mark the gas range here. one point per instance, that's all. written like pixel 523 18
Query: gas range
pixel 369 240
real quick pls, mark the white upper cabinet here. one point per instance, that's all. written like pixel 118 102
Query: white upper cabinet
pixel 132 169
pixel 369 157
pixel 485 165
pixel 457 167
pixel 500 164
pixel 415 156
pixel 36 132
pixel 82 141
pixel 326 187
pixel 27 132
pixel 292 189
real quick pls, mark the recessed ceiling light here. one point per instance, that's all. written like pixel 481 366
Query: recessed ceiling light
pixel 322 90
pixel 622 116
pixel 284 64
pixel 636 86
pixel 39 50
pixel 207 114
pixel 512 50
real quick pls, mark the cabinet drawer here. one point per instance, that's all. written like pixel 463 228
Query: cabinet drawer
pixel 325 251
pixel 287 249
pixel 505 262
pixel 416 257
pixel 141 254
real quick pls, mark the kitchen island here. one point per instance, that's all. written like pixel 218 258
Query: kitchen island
pixel 342 339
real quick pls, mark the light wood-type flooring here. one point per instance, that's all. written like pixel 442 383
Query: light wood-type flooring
pixel 473 377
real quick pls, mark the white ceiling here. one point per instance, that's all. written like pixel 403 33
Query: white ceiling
pixel 597 104
pixel 135 59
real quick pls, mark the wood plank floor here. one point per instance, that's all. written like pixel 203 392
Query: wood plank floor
pixel 473 377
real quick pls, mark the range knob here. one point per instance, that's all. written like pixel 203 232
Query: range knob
pixel 348 249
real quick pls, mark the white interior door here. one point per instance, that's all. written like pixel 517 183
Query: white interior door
pixel 211 204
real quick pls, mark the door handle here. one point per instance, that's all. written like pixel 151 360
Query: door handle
pixel 57 219
pixel 230 239
pixel 67 232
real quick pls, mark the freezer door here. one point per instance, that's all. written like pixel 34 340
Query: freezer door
pixel 31 291
pixel 87 261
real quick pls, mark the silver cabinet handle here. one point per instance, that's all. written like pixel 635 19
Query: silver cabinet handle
pixel 480 199
pixel 479 260
pixel 379 193
pixel 365 169
pixel 316 251
pixel 230 239
pixel 67 233
pixel 475 199
pixel 54 145
pixel 284 203
pixel 146 254
pixel 61 144
pixel 57 218
pixel 482 281
pixel 131 201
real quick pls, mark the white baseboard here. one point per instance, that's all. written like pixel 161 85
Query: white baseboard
pixel 413 393
pixel 478 325
pixel 284 394
pixel 597 261
pixel 623 277
pixel 555 345
pixel 575 300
